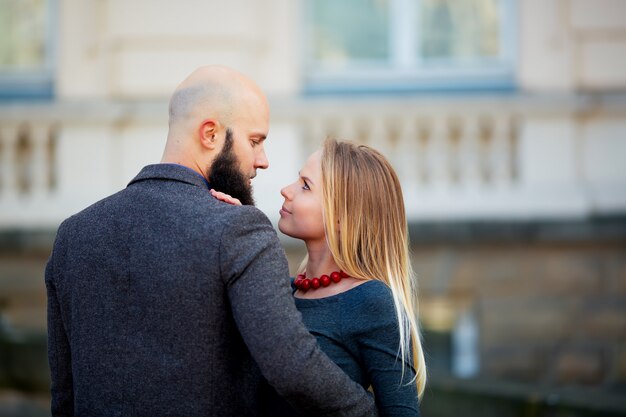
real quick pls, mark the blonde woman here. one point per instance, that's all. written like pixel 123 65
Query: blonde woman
pixel 355 289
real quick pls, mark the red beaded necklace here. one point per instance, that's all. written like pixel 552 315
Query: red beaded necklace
pixel 304 284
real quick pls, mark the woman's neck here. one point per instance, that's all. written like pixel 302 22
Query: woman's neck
pixel 320 260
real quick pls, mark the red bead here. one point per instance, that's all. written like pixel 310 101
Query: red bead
pixel 325 280
pixel 304 284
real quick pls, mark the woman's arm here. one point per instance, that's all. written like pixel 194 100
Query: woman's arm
pixel 375 331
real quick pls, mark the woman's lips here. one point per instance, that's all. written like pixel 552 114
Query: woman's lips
pixel 283 211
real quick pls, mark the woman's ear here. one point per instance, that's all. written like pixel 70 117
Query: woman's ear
pixel 208 133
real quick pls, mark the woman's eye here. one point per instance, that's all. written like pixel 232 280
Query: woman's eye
pixel 305 186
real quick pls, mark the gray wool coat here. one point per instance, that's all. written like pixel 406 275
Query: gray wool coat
pixel 163 301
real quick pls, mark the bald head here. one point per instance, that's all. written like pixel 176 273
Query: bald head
pixel 212 93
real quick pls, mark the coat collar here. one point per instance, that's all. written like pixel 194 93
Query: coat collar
pixel 173 172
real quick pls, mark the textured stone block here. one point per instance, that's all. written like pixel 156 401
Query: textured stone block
pixel 619 278
pixel 546 49
pixel 526 321
pixel 425 262
pixel 580 366
pixel 598 14
pixel 604 64
pixel 619 374
pixel 605 321
pixel 468 272
pixel 517 363
pixel 507 274
pixel 570 275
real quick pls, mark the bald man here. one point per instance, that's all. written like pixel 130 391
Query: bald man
pixel 163 301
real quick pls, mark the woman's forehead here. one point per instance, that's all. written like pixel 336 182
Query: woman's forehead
pixel 313 165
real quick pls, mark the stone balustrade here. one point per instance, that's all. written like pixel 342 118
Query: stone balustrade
pixel 457 158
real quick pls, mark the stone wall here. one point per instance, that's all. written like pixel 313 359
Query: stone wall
pixel 547 313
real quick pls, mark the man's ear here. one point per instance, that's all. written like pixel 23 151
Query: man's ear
pixel 208 133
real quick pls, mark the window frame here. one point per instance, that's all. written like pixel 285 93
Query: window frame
pixel 404 72
pixel 36 84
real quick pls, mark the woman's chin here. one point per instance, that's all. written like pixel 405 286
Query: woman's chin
pixel 284 230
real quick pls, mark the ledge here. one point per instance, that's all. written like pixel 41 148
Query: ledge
pixel 104 110
pixel 448 396
pixel 604 229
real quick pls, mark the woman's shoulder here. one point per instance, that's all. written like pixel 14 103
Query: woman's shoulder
pixel 372 300
pixel 372 291
pixel 370 313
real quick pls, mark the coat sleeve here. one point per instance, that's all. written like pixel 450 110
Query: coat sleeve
pixel 256 274
pixel 59 355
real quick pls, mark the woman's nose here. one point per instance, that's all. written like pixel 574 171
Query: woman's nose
pixel 285 192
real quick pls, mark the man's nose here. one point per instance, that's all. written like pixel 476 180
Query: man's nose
pixel 261 161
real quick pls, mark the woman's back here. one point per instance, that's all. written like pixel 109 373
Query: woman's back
pixel 358 330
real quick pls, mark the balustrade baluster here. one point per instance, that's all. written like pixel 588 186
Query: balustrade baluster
pixel 40 136
pixel 9 136
pixel 500 153
pixel 378 137
pixel 469 154
pixel 438 154
pixel 410 159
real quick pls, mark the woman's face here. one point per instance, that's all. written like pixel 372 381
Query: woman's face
pixel 301 214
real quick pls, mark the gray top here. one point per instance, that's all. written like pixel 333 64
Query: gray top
pixel 163 301
pixel 358 329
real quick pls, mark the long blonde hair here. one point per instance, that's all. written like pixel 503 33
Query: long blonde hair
pixel 367 234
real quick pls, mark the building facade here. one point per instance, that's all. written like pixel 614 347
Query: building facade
pixel 506 121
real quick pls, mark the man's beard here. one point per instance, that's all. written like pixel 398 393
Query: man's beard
pixel 225 176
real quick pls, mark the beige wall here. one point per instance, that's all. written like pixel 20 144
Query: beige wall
pixel 142 49
pixel 572 45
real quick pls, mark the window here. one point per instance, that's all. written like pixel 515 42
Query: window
pixel 386 45
pixel 26 48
